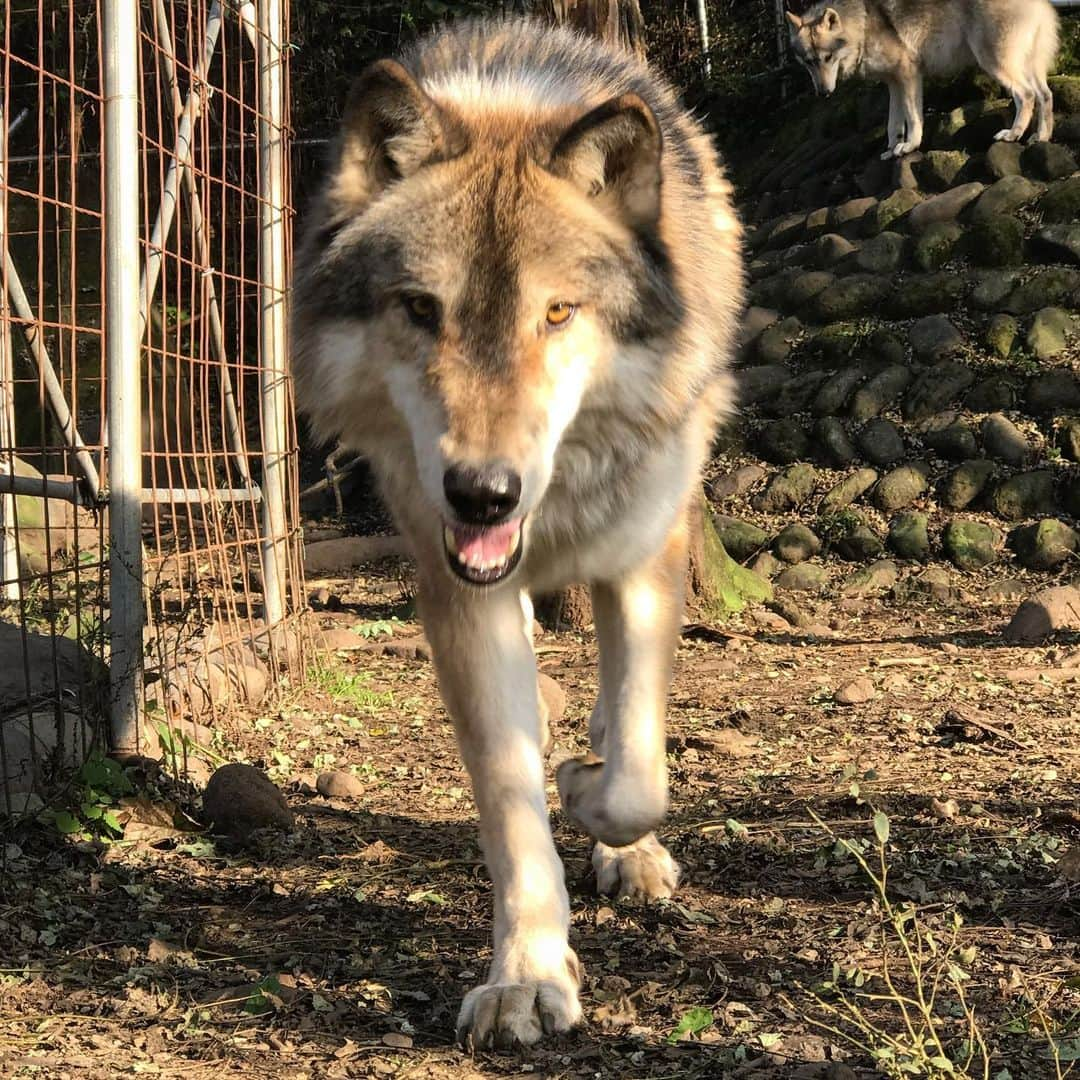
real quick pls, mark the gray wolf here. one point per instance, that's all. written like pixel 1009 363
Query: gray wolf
pixel 898 42
pixel 517 296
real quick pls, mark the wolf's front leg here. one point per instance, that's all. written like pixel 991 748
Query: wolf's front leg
pixel 911 89
pixel 620 796
pixel 896 120
pixel 481 643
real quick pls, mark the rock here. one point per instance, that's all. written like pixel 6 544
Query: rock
pixel 741 539
pixel 926 294
pixel 881 255
pixel 935 245
pixel 946 207
pixel 881 442
pixel 889 211
pixel 1003 159
pixel 240 799
pixel 966 483
pixel 971 545
pixel 1003 440
pixel 1056 285
pixel 1053 391
pixel 785 231
pixel 754 321
pixel 804 287
pixel 991 395
pixel 1005 589
pixel 776 341
pixel 1057 244
pixel 1025 495
pixel 848 298
pixel 1045 545
pixel 852 211
pixel 880 392
pixel 901 487
pixel 935 337
pixel 1006 196
pixel 788 490
pixel 1048 160
pixel 1042 615
pixel 766 565
pixel 836 448
pixel 847 491
pixel 996 240
pixel 856 692
pixel 758 384
pixel 1061 204
pixel 731 484
pixel 796 544
pixel 1001 333
pixel 1066 91
pixel 817 222
pixel 908 536
pixel 935 583
pixel 796 394
pixel 938 169
pixel 799 255
pixel 337 784
pixel 1068 437
pixel 837 342
pixel 872 580
pixel 936 388
pixel 806 577
pixel 992 288
pixel 852 537
pixel 833 396
pixel 830 249
pixel 949 437
pixel 784 442
pixel 1049 333
pixel 552 698
pixel 884 349
pixel 326 556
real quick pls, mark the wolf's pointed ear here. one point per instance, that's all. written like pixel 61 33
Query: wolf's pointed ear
pixel 613 155
pixel 794 20
pixel 830 19
pixel 391 128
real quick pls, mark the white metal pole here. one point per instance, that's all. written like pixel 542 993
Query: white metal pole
pixel 273 365
pixel 120 52
pixel 9 557
pixel 703 27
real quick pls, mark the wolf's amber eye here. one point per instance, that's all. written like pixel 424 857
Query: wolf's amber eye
pixel 422 310
pixel 560 314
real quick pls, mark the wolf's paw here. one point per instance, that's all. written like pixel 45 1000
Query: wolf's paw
pixel 617 818
pixel 504 1014
pixel 888 155
pixel 902 149
pixel 1007 135
pixel 642 871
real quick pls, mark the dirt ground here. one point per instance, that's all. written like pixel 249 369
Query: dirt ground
pixel 343 949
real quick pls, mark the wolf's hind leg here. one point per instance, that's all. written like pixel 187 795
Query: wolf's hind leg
pixel 1044 126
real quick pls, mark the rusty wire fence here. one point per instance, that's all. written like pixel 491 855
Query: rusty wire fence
pixel 150 573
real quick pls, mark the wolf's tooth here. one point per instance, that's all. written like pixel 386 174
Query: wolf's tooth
pixel 515 541
pixel 449 541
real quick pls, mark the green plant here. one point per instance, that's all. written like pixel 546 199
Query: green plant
pixel 101 783
pixel 349 688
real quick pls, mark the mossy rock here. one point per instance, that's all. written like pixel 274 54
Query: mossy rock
pixel 788 490
pixel 1066 91
pixel 1001 334
pixel 1061 204
pixel 1045 545
pixel 741 539
pixel 795 544
pixel 902 486
pixel 996 241
pixel 971 545
pixel 1048 336
pixel 1025 495
pixel 935 246
pixel 926 294
pixel 849 298
pixel 909 536
pixel 1057 286
pixel 890 211
pixel 966 483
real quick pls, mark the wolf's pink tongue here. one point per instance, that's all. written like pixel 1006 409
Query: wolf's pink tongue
pixel 485 545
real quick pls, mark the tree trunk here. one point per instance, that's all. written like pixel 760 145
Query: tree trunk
pixel 616 21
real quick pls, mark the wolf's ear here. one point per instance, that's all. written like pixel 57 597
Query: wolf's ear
pixel 613 155
pixel 830 19
pixel 794 20
pixel 391 129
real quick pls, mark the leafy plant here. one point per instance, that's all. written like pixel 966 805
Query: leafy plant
pixel 101 783
pixel 693 1022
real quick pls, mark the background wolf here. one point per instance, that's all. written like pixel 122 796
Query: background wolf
pixel 900 41
pixel 517 298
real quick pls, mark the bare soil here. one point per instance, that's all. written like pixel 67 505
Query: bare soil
pixel 343 949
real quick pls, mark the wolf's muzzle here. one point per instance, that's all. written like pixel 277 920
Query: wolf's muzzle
pixel 484 544
pixel 484 495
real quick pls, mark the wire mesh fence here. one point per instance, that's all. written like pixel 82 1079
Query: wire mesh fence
pixel 151 568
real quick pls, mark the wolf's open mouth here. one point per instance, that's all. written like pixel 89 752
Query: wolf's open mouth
pixel 482 554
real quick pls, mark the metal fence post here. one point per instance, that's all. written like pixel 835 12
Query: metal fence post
pixel 120 50
pixel 9 548
pixel 272 254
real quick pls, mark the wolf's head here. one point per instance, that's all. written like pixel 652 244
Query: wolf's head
pixel 823 46
pixel 475 278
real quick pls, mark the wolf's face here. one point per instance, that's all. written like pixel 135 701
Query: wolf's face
pixel 823 48
pixel 474 286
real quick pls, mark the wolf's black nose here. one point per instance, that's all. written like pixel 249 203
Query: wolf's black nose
pixel 484 495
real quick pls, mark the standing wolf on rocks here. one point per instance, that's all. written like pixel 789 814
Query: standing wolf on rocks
pixel 898 42
pixel 517 297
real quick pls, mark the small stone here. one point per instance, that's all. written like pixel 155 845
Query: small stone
pixel 1025 495
pixel 1004 440
pixel 935 245
pixel 856 692
pixel 935 583
pixel 889 212
pixel 1049 334
pixel 1068 437
pixel 936 388
pixel 1055 285
pixel 997 240
pixel 806 577
pixel 1006 196
pixel 788 490
pixel 901 487
pixel 938 169
pixel 991 395
pixel 966 483
pixel 1057 244
pixel 935 337
pixel 784 442
pixel 804 287
pixel 830 249
pixel 847 491
pixel 881 255
pixel 1046 612
pixel 971 545
pixel 836 447
pixel 1061 204
pixel 1003 159
pixel 796 544
pixel 833 396
pixel 757 384
pixel 784 232
pixel 337 784
pixel 880 392
pixel 836 343
pixel 776 341
pixel 754 321
pixel 1045 545
pixel 848 298
pixel 1048 160
pixel 946 207
pixel 853 539
pixel 1001 333
pixel 817 222
pixel 992 288
pixel 240 799
pixel 950 438
pixel 729 485
pixel 908 535
pixel 796 394
pixel 881 442
pixel 854 210
pixel 884 349
pixel 1053 391
pixel 741 539
pixel 926 294
pixel 879 577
